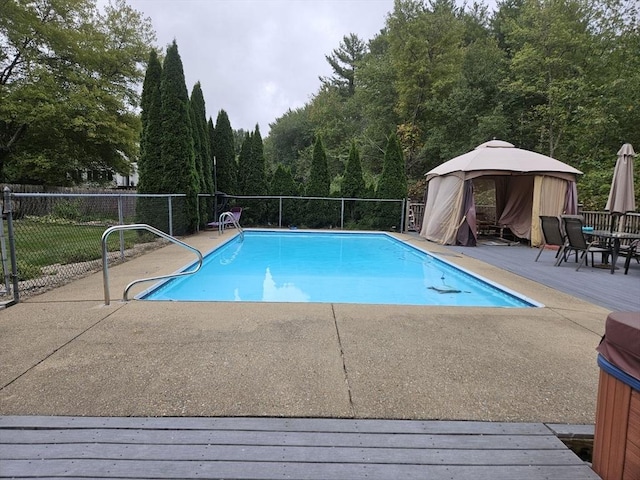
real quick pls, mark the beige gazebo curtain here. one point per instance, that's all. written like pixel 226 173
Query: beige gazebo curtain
pixel 444 202
pixel 549 197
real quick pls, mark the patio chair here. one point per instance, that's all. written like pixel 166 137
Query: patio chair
pixel 577 242
pixel 633 251
pixel 227 222
pixel 552 235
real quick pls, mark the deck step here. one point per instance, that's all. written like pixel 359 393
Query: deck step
pixel 269 448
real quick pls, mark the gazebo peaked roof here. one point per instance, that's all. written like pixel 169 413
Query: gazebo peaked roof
pixel 501 157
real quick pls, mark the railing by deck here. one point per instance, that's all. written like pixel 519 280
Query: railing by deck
pixel 486 213
pixel 602 221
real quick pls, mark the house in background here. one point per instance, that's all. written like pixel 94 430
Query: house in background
pixel 127 181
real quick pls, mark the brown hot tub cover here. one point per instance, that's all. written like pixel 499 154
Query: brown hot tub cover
pixel 621 342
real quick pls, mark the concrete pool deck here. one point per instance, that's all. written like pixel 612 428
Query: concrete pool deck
pixel 65 353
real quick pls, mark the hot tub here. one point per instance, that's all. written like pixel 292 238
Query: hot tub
pixel 616 452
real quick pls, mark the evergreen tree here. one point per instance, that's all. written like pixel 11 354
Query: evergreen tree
pixel 244 164
pixel 150 170
pixel 319 181
pixel 319 211
pixel 178 158
pixel 283 184
pixel 254 175
pixel 225 154
pixel 202 146
pixel 392 185
pixel 344 61
pixel 211 137
pixel 149 161
pixel 353 185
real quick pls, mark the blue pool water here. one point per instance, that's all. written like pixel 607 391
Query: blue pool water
pixel 297 266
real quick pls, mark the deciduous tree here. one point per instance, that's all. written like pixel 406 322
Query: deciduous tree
pixel 68 87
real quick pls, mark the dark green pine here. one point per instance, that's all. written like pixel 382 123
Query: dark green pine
pixel 204 163
pixel 392 185
pixel 224 151
pixel 178 156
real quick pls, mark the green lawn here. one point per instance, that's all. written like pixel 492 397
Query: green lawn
pixel 40 243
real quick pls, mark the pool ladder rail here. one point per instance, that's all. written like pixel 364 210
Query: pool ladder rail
pixel 149 228
pixel 231 219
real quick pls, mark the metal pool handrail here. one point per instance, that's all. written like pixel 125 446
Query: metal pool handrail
pixel 149 228
pixel 233 219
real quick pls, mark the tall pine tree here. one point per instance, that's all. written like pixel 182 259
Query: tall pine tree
pixel 202 146
pixel 392 185
pixel 318 212
pixel 225 154
pixel 150 170
pixel 283 184
pixel 257 175
pixel 244 164
pixel 253 172
pixel 319 181
pixel 353 185
pixel 178 158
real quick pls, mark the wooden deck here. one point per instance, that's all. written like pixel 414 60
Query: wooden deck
pixel 595 285
pixel 274 448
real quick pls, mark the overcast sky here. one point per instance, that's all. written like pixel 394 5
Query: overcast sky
pixel 258 58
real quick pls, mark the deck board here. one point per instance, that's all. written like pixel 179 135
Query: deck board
pixel 270 448
pixel 614 292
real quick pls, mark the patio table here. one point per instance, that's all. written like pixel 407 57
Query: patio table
pixel 616 237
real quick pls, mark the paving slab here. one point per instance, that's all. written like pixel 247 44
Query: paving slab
pixel 66 353
pixel 158 359
pixel 30 333
pixel 488 364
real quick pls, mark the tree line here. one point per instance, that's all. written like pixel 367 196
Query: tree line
pixel 560 77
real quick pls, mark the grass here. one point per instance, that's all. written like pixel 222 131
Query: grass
pixel 41 243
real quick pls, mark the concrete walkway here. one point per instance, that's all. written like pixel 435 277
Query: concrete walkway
pixel 66 353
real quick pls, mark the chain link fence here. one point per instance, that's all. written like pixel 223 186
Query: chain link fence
pixel 49 239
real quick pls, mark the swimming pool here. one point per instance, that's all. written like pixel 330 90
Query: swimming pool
pixel 326 267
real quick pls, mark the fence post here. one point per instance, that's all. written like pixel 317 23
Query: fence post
pixel 342 214
pixel 403 204
pixel 5 264
pixel 12 244
pixel 121 222
pixel 280 214
pixel 170 217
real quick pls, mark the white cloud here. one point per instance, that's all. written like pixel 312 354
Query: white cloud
pixel 257 58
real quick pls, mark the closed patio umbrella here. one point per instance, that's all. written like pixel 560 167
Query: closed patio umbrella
pixel 621 196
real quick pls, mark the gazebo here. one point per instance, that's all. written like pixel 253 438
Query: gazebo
pixel 527 185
